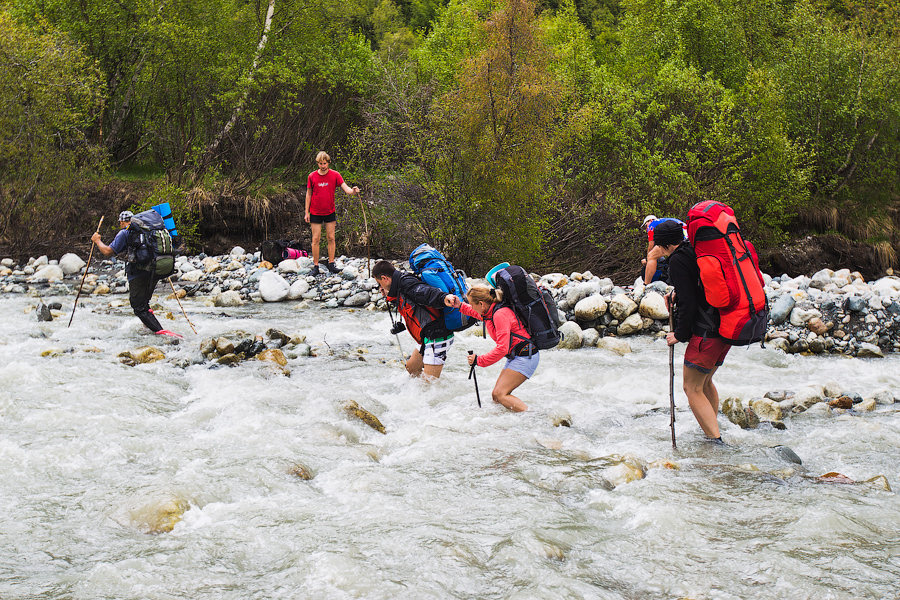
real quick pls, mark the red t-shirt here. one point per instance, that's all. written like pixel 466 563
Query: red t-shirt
pixel 323 186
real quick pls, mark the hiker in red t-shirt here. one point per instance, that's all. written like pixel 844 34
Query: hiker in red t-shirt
pixel 320 187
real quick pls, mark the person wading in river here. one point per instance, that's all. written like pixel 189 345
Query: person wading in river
pixel 421 306
pixel 504 327
pixel 141 283
pixel 696 322
pixel 320 208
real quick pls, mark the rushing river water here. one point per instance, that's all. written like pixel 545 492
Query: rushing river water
pixel 453 502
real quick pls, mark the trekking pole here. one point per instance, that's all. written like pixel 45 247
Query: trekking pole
pixel 472 375
pixel 396 335
pixel 672 377
pixel 174 293
pixel 88 266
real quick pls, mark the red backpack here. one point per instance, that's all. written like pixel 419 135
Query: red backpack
pixel 729 271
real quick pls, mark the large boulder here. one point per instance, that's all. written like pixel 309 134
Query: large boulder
pixel 653 306
pixel 866 350
pixel 590 308
pixel 273 287
pixel 781 309
pixel 71 264
pixel 617 345
pixel 147 354
pixel 579 292
pixel 621 306
pixel 357 299
pixel 159 515
pixel 228 299
pixel 288 266
pixel 733 408
pixel 766 409
pixel 298 288
pixel 809 396
pixel 48 273
pixel 272 355
pixel 802 316
pixel 589 337
pixel 632 324
pixel 571 336
pixel 195 275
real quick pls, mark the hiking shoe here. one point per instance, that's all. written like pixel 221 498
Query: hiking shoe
pixel 315 270
pixel 332 268
pixel 169 333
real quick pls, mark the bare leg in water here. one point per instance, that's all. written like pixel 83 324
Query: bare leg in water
pixel 502 392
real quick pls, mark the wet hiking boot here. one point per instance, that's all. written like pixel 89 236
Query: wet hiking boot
pixel 169 333
pixel 332 268
pixel 315 271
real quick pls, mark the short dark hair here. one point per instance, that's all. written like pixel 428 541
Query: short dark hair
pixel 383 269
pixel 668 233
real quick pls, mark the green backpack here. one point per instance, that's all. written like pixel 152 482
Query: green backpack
pixel 150 244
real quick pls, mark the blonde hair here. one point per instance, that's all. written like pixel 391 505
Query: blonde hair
pixel 323 156
pixel 481 293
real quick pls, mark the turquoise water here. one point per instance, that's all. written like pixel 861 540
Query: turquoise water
pixel 453 502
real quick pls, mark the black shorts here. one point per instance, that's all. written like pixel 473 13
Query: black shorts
pixel 322 218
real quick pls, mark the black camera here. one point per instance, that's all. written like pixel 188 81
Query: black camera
pixel 398 327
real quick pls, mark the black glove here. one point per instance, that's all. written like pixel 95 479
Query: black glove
pixel 398 327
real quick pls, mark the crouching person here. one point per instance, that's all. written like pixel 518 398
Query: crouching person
pixel 513 342
pixel 696 322
pixel 421 307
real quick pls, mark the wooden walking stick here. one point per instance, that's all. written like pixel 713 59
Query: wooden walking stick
pixel 174 293
pixel 672 377
pixel 88 266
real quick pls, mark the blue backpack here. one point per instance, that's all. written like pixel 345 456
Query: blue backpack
pixel 434 269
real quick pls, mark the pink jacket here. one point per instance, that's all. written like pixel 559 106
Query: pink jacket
pixel 500 323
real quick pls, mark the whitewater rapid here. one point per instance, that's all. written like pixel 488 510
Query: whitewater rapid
pixel 452 502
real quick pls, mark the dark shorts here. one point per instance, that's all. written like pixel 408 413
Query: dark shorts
pixel 322 218
pixel 704 355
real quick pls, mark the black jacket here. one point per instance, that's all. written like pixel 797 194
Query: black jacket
pixel 693 314
pixel 420 304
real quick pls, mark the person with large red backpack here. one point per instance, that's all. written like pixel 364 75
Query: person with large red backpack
pixel 421 306
pixel 696 322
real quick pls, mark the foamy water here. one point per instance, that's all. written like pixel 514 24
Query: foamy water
pixel 453 502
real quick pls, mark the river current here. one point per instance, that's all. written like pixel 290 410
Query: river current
pixel 454 501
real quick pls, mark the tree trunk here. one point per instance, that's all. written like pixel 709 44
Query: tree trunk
pixel 211 150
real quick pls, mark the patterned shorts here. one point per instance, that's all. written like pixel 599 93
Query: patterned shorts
pixel 434 352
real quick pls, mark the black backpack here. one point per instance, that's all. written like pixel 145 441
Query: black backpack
pixel 273 250
pixel 150 244
pixel 534 306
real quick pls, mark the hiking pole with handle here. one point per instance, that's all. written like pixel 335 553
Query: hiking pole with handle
pixel 472 375
pixel 88 266
pixel 672 376
pixel 396 331
pixel 174 293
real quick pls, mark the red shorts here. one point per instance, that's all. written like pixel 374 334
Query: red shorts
pixel 705 355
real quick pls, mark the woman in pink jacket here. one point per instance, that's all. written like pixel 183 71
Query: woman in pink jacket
pixel 512 340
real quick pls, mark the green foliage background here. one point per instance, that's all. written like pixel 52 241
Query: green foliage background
pixel 535 132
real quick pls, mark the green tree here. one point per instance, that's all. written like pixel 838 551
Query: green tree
pixel 49 94
pixel 841 95
pixel 487 161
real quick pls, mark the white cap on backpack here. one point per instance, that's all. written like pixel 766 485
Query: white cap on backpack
pixel 648 219
pixel 125 215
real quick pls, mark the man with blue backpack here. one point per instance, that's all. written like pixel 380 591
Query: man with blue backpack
pixel 146 265
pixel 421 305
